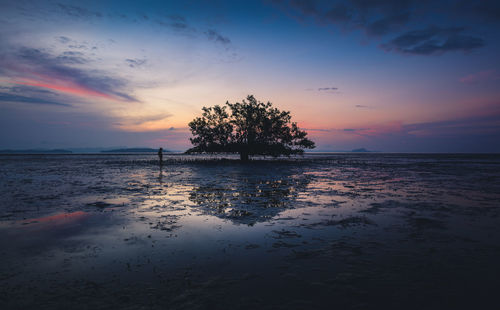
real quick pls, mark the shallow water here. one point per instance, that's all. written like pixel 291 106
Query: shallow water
pixel 200 232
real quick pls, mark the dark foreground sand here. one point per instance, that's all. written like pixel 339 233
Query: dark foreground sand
pixel 340 231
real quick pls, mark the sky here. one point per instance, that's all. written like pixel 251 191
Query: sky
pixel 391 76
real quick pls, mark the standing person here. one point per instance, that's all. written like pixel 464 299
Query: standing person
pixel 160 155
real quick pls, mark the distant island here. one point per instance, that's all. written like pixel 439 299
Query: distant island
pixel 36 151
pixel 82 151
pixel 360 150
pixel 134 150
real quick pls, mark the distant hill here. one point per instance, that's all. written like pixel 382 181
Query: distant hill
pixel 134 150
pixel 360 150
pixel 36 151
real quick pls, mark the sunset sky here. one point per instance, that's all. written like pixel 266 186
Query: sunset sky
pixel 395 76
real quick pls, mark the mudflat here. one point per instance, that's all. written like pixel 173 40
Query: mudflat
pixel 322 231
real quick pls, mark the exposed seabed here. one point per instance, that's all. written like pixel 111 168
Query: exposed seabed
pixel 330 231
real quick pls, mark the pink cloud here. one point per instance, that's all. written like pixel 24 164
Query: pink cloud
pixel 40 69
pixel 481 76
pixel 69 88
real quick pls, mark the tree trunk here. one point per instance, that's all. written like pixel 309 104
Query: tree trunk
pixel 244 156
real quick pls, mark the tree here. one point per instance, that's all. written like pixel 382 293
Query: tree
pixel 251 128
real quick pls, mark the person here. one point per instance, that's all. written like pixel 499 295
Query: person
pixel 160 155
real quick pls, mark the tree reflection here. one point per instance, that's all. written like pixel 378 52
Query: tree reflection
pixel 247 195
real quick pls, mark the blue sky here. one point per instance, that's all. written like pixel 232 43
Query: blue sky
pixel 411 76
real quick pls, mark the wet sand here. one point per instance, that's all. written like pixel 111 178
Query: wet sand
pixel 347 231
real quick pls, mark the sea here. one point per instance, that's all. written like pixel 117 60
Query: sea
pixel 319 231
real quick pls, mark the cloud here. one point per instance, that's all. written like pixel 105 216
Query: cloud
pixel 327 88
pixel 134 63
pixel 35 67
pixel 6 97
pixel 466 134
pixel 374 130
pixel 70 43
pixel 484 10
pixel 143 123
pixel 433 40
pixel 387 24
pixel 76 11
pixel 462 126
pixel 318 129
pixel 57 12
pixel 28 90
pixel 63 39
pixel 369 131
pixel 374 18
pixel 383 18
pixel 71 57
pixel 175 22
pixel 306 6
pixel 469 125
pixel 213 35
pixel 179 23
pixel 340 14
pixel 360 106
pixel 482 76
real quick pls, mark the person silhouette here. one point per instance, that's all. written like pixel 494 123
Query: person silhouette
pixel 160 155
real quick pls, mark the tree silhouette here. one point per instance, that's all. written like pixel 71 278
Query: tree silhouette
pixel 251 128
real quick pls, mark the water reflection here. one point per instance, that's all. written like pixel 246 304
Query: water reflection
pixel 247 195
pixel 39 234
pixel 57 219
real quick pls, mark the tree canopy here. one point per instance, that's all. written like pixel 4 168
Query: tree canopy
pixel 248 128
